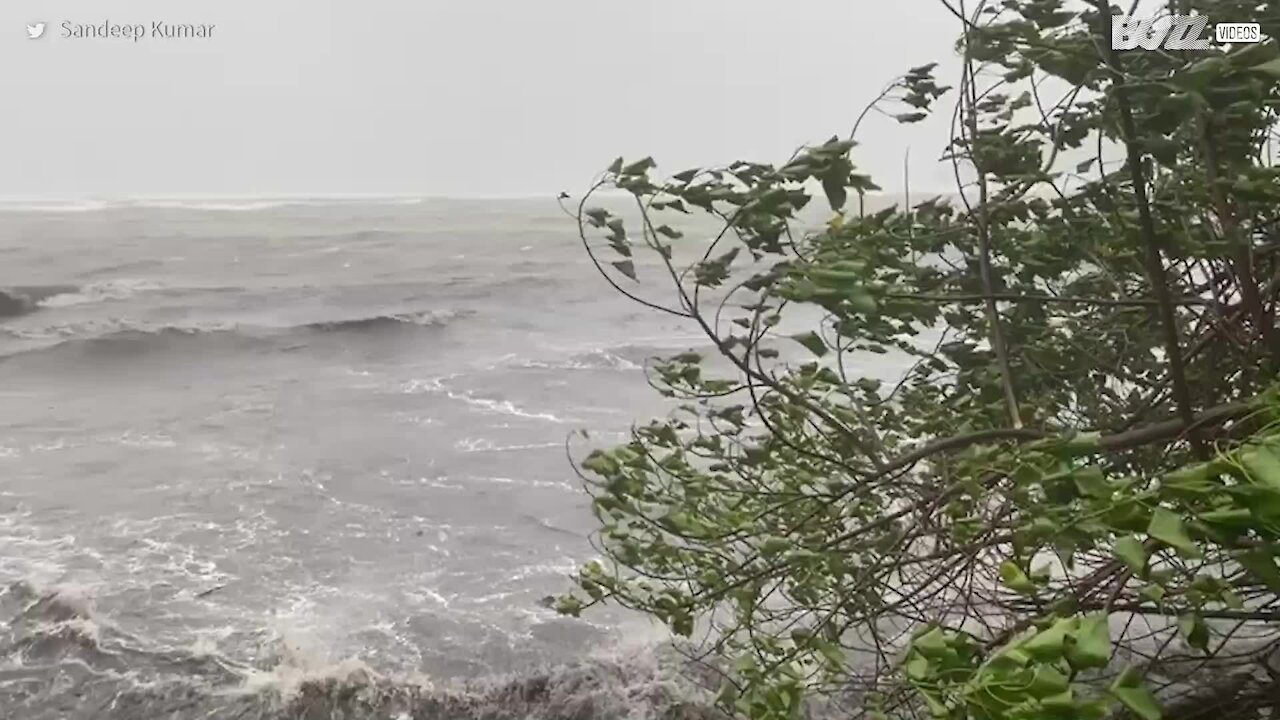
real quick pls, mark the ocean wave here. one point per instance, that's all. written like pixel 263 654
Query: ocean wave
pixel 23 300
pixel 49 626
pixel 130 337
pixel 53 206
pixel 100 292
pixel 59 662
pixel 124 341
pixel 484 445
pixel 629 357
pixel 18 301
pixel 592 360
pixel 505 407
pixel 376 322
pixel 438 385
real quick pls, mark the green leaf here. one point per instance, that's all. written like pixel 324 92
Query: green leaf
pixel 1015 579
pixel 1091 482
pixel 1091 643
pixel 1246 55
pixel 774 546
pixel 1263 466
pixel 1262 566
pixel 830 652
pixel 1047 682
pixel 812 341
pixel 1271 67
pixel 1202 73
pixel 1234 517
pixel 1154 593
pixel 1194 629
pixel 616 166
pixel 597 216
pixel 1192 481
pixel 1138 700
pixel 1073 445
pixel 626 267
pixel 682 624
pixel 1049 644
pixel 918 667
pixel 861 301
pixel 1130 551
pixel 601 463
pixel 713 272
pixel 639 167
pixel 932 643
pixel 937 708
pixel 668 232
pixel 568 605
pixel 833 186
pixel 1009 659
pixel 1061 704
pixel 1167 527
pixel 841 279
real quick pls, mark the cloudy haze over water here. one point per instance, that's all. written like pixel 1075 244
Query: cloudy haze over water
pixel 427 97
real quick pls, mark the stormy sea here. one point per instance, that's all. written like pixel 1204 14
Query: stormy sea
pixel 311 459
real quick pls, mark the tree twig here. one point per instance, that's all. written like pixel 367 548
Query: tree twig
pixel 1154 259
pixel 969 99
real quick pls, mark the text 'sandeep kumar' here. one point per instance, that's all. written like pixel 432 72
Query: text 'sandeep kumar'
pixel 135 32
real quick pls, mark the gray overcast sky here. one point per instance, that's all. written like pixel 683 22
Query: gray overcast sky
pixel 457 98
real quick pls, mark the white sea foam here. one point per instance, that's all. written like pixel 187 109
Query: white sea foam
pixel 594 360
pixel 562 567
pixel 559 485
pixel 53 205
pixel 100 292
pixel 297 669
pixel 506 407
pixel 484 445
pixel 440 482
pixel 499 407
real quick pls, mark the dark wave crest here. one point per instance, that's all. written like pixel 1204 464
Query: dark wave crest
pixel 382 322
pixel 18 301
pixel 125 339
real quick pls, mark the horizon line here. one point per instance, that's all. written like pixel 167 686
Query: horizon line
pixel 295 197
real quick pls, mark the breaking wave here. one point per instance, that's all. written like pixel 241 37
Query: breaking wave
pixel 593 360
pixel 18 301
pixel 59 662
pixel 123 336
pixel 23 300
pixel 379 322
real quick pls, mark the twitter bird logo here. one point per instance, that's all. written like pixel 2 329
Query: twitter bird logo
pixel 35 31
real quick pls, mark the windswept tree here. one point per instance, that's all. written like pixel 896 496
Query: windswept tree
pixel 1068 506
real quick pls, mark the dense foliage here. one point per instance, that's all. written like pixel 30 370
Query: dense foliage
pixel 1069 505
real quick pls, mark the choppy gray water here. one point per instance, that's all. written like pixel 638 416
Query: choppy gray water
pixel 247 447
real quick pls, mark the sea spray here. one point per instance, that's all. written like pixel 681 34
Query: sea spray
pixel 634 680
